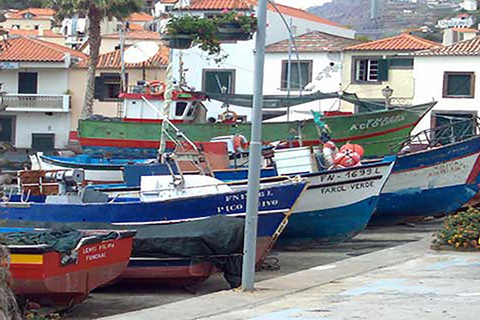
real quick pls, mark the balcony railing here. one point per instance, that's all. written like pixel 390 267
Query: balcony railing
pixel 36 102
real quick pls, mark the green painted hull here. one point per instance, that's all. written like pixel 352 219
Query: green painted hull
pixel 113 130
pixel 378 132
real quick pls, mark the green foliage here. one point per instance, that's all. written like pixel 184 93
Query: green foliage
pixel 120 9
pixel 20 4
pixel 461 230
pixel 248 23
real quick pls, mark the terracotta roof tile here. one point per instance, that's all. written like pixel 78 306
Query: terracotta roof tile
pixel 140 16
pixel 34 33
pixel 135 34
pixel 38 14
pixel 315 41
pixel 112 60
pixel 463 48
pixel 465 30
pixel 23 49
pixel 247 4
pixel 169 1
pixel 402 42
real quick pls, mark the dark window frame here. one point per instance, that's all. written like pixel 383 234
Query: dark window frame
pixel 445 85
pixel 400 67
pixel 106 75
pixel 283 81
pixel 204 78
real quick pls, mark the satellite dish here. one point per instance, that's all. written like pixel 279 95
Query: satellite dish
pixel 141 52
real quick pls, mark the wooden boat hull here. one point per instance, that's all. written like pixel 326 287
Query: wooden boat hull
pixel 337 204
pixel 40 276
pixel 432 182
pixel 379 132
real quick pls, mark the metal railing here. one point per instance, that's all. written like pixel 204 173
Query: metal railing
pixel 36 102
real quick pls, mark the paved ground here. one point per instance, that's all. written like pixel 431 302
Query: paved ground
pixel 119 299
pixel 405 282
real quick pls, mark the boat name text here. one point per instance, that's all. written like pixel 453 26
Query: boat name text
pixel 378 122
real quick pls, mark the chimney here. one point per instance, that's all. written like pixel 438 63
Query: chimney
pixel 448 37
pixel 40 30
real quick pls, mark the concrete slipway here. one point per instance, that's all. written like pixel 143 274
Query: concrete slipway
pixel 405 282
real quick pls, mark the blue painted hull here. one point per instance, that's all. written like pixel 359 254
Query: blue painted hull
pixel 275 203
pixel 328 226
pixel 411 201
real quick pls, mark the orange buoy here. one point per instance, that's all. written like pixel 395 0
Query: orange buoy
pixel 347 159
pixel 350 147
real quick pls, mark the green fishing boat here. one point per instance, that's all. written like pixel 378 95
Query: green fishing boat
pixel 378 132
pixel 137 132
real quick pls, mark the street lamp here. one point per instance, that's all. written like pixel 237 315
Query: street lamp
pixel 387 92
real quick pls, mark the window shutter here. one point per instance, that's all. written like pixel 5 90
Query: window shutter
pixel 383 70
pixel 99 88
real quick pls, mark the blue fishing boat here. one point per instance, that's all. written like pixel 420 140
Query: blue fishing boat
pixel 435 181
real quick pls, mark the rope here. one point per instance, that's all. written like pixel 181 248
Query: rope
pixel 166 104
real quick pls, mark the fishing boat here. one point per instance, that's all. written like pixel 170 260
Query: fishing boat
pixel 61 267
pixel 337 204
pixel 379 132
pixel 137 132
pixel 437 180
pixel 161 200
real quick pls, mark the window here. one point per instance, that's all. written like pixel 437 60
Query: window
pixel 214 80
pixel 372 70
pixel 300 75
pixel 108 86
pixel 7 125
pixel 180 108
pixel 458 84
pixel 400 63
pixel 43 141
pixel 27 82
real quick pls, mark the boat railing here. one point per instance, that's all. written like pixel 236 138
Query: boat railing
pixel 455 131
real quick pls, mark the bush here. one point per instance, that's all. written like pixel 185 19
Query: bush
pixel 460 230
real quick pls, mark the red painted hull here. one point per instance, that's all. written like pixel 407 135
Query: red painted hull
pixel 44 280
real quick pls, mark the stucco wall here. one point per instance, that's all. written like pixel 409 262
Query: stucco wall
pixel 78 84
pixel 50 80
pixel 27 24
pixel 428 74
pixel 400 80
pixel 329 78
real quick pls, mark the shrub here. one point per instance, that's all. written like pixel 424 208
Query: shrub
pixel 460 230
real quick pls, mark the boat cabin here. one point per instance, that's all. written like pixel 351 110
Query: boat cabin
pixel 145 103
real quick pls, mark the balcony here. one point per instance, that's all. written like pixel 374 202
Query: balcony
pixel 35 103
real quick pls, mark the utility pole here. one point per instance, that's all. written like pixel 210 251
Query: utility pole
pixel 251 219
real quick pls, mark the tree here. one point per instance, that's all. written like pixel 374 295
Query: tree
pixel 95 11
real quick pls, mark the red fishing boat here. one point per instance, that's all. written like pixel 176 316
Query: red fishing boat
pixel 42 274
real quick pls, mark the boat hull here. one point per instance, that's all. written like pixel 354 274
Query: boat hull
pixel 432 182
pixel 42 278
pixel 337 204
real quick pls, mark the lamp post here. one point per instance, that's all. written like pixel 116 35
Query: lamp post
pixel 387 92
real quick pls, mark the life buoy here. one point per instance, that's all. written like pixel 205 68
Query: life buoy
pixel 349 147
pixel 156 87
pixel 229 117
pixel 347 159
pixel 329 151
pixel 240 143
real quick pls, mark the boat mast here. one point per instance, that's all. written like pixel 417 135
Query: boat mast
pixel 251 219
pixel 166 106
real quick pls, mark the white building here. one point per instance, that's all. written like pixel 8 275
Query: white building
pixel 236 72
pixel 470 5
pixel 320 63
pixel 463 20
pixel 447 74
pixel 36 108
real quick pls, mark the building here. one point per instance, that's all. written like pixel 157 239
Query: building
pixel 319 61
pixel 41 34
pixel 235 73
pixel 108 81
pixel 462 20
pixel 111 42
pixel 453 35
pixel 372 66
pixel 447 74
pixel 30 19
pixel 36 108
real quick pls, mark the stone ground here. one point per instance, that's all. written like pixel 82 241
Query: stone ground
pixel 119 298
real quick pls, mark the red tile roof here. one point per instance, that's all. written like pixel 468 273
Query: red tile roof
pixel 38 13
pixel 23 49
pixel 140 16
pixel 135 34
pixel 112 60
pixel 465 30
pixel 34 33
pixel 402 42
pixel 169 1
pixel 315 41
pixel 463 48
pixel 247 4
